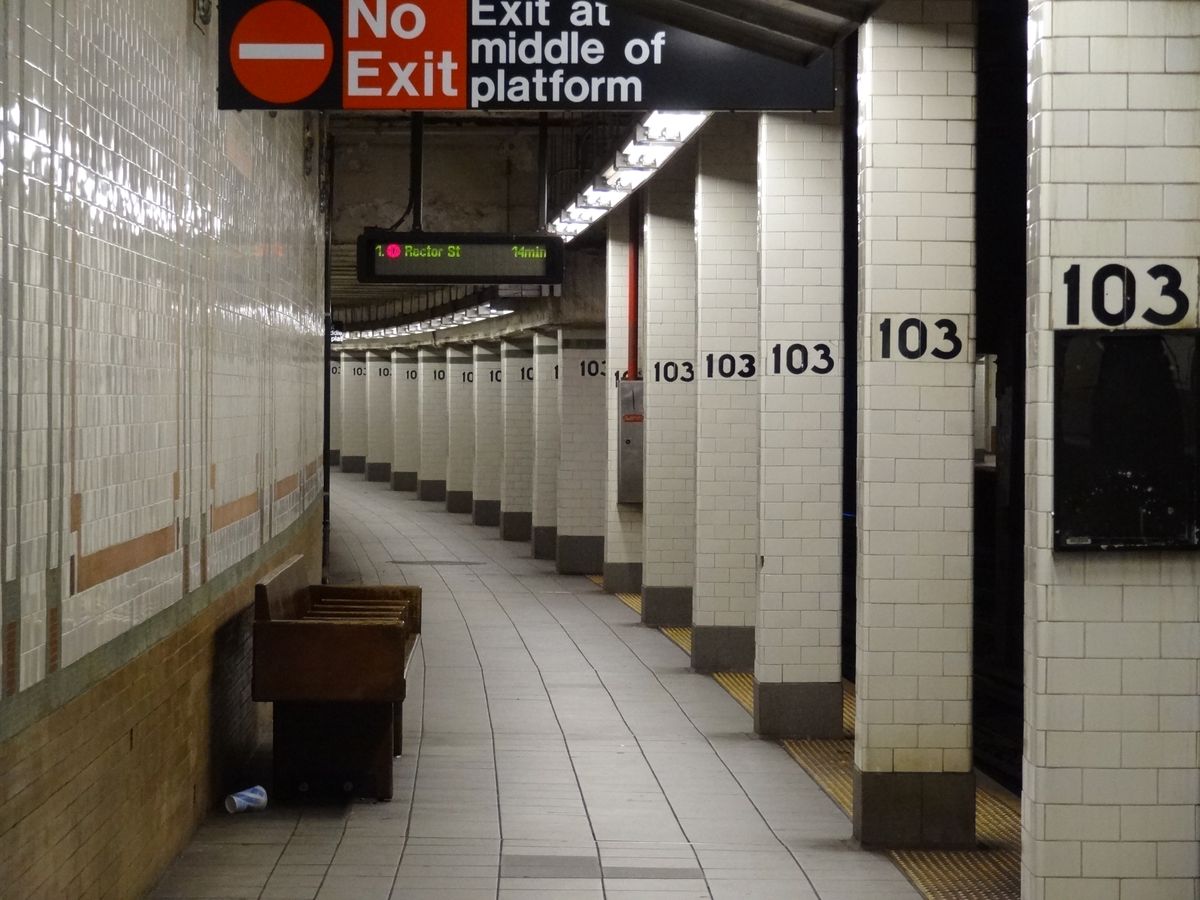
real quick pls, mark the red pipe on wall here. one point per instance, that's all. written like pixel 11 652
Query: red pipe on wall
pixel 635 282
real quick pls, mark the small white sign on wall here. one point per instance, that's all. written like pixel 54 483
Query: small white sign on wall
pixel 1125 293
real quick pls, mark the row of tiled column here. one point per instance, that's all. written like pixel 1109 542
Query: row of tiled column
pixel 744 364
pixel 509 432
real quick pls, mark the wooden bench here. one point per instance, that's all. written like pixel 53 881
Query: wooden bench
pixel 333 660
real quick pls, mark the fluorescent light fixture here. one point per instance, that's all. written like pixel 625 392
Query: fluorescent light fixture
pixel 625 177
pixel 674 127
pixel 656 139
pixel 601 196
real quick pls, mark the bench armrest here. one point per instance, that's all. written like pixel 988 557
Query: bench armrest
pixel 329 661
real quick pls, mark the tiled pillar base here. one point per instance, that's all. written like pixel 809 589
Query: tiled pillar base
pixel 434 491
pixel 579 554
pixel 486 513
pixel 404 481
pixel 460 501
pixel 927 810
pixel 545 542
pixel 516 526
pixel 723 648
pixel 622 578
pixel 669 607
pixel 379 472
pixel 798 710
pixel 354 465
pixel 335 457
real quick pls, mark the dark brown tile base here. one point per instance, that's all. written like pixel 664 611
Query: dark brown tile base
pixel 379 471
pixel 335 457
pixel 460 501
pixel 486 513
pixel 516 526
pixel 404 481
pixel 723 648
pixel 791 710
pixel 908 810
pixel 433 491
pixel 622 578
pixel 667 607
pixel 579 554
pixel 354 465
pixel 545 541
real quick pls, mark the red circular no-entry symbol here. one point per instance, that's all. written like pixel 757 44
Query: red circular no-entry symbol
pixel 281 51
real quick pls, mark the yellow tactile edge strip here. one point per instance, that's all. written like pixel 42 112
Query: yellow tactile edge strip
pixel 680 637
pixel 991 872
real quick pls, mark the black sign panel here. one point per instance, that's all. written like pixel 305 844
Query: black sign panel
pixel 491 55
pixel 390 257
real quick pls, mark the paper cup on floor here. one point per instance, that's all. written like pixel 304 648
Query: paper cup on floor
pixel 251 798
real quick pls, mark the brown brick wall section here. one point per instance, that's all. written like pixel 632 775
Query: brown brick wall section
pixel 97 797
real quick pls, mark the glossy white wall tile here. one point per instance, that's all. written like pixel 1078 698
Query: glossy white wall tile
pixel 162 324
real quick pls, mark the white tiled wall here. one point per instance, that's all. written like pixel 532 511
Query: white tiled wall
pixel 406 442
pixel 798 634
pixel 460 372
pixel 725 591
pixel 545 430
pixel 160 269
pixel 1112 700
pixel 435 423
pixel 489 422
pixel 582 460
pixel 381 427
pixel 623 526
pixel 354 404
pixel 516 477
pixel 669 328
pixel 916 448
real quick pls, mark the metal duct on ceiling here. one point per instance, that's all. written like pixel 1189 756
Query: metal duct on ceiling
pixel 796 31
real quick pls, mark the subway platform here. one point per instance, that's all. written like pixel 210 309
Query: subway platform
pixel 555 749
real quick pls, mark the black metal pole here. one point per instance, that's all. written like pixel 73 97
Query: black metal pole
pixel 543 201
pixel 850 283
pixel 416 155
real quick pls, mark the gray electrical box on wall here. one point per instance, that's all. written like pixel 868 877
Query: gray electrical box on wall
pixel 630 464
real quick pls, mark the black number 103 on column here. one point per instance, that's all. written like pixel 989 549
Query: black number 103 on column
pixel 1127 294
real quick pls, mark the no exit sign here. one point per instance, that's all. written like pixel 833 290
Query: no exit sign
pixel 490 55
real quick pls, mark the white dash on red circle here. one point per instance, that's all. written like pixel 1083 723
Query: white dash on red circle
pixel 281 51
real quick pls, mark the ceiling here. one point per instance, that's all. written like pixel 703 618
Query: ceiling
pixel 796 31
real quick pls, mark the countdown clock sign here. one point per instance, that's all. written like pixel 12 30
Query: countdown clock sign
pixel 491 55
pixel 1125 294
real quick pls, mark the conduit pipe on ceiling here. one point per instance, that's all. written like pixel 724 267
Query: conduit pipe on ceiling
pixel 635 281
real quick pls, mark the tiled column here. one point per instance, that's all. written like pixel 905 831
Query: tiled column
pixel 460 467
pixel 381 429
pixel 435 425
pixel 914 784
pixel 623 521
pixel 669 326
pixel 406 411
pixel 582 461
pixel 546 440
pixel 489 434
pixel 516 476
pixel 335 410
pixel 1112 640
pixel 798 676
pixel 354 412
pixel 726 579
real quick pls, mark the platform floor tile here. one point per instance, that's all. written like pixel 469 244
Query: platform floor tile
pixel 555 749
